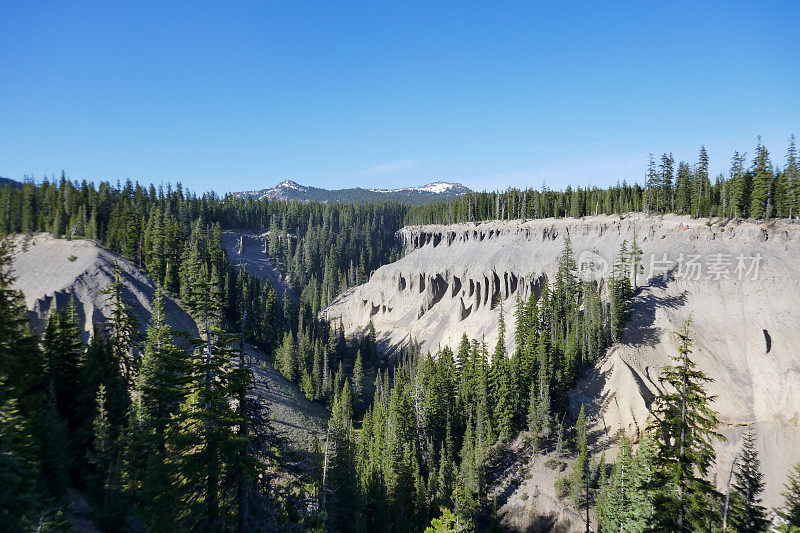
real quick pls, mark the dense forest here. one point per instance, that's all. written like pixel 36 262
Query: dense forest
pixel 760 190
pixel 161 437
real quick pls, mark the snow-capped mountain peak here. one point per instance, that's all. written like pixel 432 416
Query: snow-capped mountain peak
pixel 436 187
pixel 291 190
pixel 289 184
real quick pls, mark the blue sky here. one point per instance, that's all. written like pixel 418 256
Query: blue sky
pixel 232 96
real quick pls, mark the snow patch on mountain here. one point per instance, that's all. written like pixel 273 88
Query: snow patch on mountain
pixel 291 190
pixel 437 187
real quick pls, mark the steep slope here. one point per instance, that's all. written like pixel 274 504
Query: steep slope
pixel 51 271
pixel 745 324
pixel 248 251
pixel 290 190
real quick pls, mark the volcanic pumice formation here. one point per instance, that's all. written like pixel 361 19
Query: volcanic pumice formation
pixel 51 271
pixel 739 281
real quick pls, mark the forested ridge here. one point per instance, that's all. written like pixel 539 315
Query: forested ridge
pixel 161 437
pixel 754 187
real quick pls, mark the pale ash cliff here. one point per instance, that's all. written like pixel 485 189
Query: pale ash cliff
pixel 52 271
pixel 739 281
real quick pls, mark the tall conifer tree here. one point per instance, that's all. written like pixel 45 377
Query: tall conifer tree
pixel 684 427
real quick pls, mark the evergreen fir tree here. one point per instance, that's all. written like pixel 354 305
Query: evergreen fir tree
pixel 64 351
pixel 684 426
pixel 665 200
pixel 358 379
pixel 652 186
pixel 161 387
pixel 747 515
pixel 123 327
pixel 700 185
pixel 23 407
pixel 286 357
pixel 54 475
pixel 792 173
pixel 635 260
pixel 614 501
pixel 345 495
pixel 790 512
pixel 683 189
pixel 205 447
pixel 761 193
pixel 580 467
pixel 626 500
pixel 102 455
pixel 739 180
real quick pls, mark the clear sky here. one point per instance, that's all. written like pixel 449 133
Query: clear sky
pixel 230 96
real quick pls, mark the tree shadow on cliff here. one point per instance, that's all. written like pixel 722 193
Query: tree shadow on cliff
pixel 640 329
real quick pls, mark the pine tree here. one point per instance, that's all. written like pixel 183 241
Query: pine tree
pixel 102 457
pixel 161 387
pixel 446 478
pixel 371 344
pixel 504 408
pixel 581 465
pixel 684 426
pixel 614 501
pixel 19 463
pixel 747 515
pixel 533 412
pixel 22 406
pixel 358 379
pixel 792 173
pixel 205 447
pixel 56 461
pixel 642 509
pixel 446 523
pixel 345 494
pixel 101 367
pixel 123 327
pixel 620 288
pixel 701 185
pixel 626 500
pixel 543 418
pixel 683 189
pixel 652 186
pixel 739 179
pixel 790 512
pixel 761 193
pixel 286 357
pixel 64 351
pixel 501 385
pixel 665 199
pixel 635 260
pixel 164 371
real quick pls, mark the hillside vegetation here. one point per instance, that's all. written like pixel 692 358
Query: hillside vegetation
pixel 172 431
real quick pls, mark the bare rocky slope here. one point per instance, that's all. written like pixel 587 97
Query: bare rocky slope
pixel 248 250
pixel 52 271
pixel 743 300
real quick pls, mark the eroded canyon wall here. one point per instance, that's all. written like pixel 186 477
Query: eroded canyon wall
pixel 738 281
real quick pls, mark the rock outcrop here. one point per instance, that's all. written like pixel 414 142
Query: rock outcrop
pixel 52 271
pixel 739 281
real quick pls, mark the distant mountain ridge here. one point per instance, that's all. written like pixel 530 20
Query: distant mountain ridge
pixel 291 190
pixel 10 182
